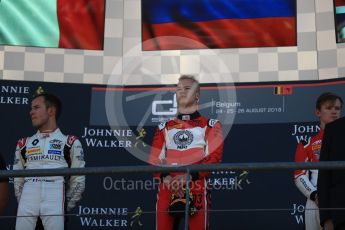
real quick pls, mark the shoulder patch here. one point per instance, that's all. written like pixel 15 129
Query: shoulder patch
pixel 212 122
pixel 161 126
pixel 22 142
pixel 71 139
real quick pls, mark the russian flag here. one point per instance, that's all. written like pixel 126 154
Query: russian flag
pixel 218 23
pixel 77 24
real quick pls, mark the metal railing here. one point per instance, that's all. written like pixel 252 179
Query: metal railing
pixel 264 166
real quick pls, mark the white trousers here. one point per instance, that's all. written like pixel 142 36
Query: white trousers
pixel 44 199
pixel 312 218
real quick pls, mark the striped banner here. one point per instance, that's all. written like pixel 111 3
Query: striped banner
pixel 77 24
pixel 218 23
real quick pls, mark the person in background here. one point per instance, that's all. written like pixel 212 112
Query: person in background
pixel 327 109
pixel 48 148
pixel 331 183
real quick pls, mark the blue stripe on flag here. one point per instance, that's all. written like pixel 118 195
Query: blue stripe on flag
pixel 165 11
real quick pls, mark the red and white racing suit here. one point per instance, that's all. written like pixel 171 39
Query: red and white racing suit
pixel 187 139
pixel 306 180
pixel 45 196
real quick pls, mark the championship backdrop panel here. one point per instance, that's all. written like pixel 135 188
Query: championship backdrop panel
pixel 261 123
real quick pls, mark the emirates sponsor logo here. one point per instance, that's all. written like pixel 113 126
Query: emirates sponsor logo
pixel 51 157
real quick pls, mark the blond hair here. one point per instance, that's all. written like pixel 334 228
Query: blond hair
pixel 193 79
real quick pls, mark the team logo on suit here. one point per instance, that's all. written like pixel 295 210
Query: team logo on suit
pixel 183 138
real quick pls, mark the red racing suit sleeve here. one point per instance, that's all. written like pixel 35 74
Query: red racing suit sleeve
pixel 301 177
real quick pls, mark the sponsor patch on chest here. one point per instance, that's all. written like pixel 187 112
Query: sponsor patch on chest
pixel 57 146
pixel 56 152
pixel 32 151
pixel 316 147
pixel 183 139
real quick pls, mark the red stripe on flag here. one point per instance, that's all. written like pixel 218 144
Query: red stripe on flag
pixel 339 2
pixel 81 24
pixel 228 33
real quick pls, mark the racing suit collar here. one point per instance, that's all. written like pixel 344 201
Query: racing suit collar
pixel 47 133
pixel 186 117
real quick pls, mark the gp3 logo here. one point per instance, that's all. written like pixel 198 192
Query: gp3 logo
pixel 156 105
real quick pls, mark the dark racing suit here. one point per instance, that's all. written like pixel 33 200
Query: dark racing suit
pixel 187 139
pixel 306 180
pixel 45 196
